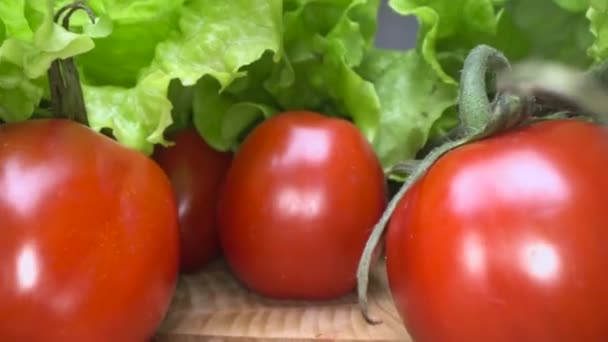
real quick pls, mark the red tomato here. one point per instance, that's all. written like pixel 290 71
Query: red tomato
pixel 196 171
pixel 89 238
pixel 298 205
pixel 507 240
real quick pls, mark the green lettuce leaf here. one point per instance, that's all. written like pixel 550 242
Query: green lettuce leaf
pixel 181 99
pixel 137 116
pixel 218 38
pixel 221 118
pixel 224 116
pixel 323 42
pixel 149 66
pixel 127 86
pixel 2 31
pixel 411 98
pixel 597 14
pixel 137 28
pixel 15 24
pixel 19 95
pixel 134 11
pixel 52 42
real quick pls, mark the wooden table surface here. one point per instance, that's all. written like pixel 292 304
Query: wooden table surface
pixel 213 306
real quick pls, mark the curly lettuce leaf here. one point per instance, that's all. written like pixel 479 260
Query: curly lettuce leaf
pixel 19 95
pixel 412 97
pixel 131 11
pixel 15 24
pixel 219 38
pixel 127 85
pixel 137 28
pixel 52 42
pixel 323 43
pixel 224 117
pixel 137 116
pixel 223 120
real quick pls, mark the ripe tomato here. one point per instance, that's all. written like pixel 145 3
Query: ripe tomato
pixel 196 171
pixel 298 205
pixel 506 239
pixel 88 236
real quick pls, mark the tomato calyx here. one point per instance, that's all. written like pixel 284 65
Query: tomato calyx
pixel 67 99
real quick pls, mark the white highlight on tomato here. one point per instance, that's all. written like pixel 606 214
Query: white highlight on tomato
pixel 27 268
pixel 300 202
pixel 474 254
pixel 315 150
pixel 25 186
pixel 540 261
pixel 522 176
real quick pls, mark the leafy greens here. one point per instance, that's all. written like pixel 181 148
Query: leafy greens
pixel 148 66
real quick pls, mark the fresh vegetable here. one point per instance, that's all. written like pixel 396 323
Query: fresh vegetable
pixel 502 225
pixel 297 206
pixel 89 237
pixel 196 171
pixel 507 234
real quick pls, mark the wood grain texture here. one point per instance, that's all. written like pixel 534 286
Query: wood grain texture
pixel 213 306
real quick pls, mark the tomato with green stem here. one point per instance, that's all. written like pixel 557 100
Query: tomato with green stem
pixel 196 171
pixel 89 241
pixel 500 235
pixel 505 240
pixel 298 204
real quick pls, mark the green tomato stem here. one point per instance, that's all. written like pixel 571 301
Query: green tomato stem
pixel 67 99
pixel 405 167
pixel 474 106
pixel 378 230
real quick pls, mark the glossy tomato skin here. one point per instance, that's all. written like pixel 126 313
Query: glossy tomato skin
pixel 298 204
pixel 196 171
pixel 507 240
pixel 89 241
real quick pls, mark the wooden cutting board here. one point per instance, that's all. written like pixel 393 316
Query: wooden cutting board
pixel 213 306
